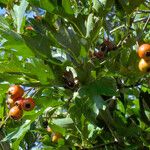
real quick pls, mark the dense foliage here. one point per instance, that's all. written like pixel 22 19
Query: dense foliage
pixel 77 59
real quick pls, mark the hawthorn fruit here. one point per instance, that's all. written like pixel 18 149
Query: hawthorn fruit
pixel 28 104
pixel 144 51
pixel 15 92
pixel 10 103
pixel 144 66
pixel 30 28
pixel 15 113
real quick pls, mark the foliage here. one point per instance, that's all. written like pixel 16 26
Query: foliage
pixel 93 101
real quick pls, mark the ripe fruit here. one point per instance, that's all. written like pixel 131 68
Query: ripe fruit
pixel 99 54
pixel 144 66
pixel 15 113
pixel 28 104
pixel 109 44
pixel 29 28
pixel 38 18
pixel 15 92
pixel 56 137
pixel 144 51
pixel 10 103
pixel 19 103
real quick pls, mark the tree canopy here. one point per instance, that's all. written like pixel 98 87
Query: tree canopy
pixel 77 61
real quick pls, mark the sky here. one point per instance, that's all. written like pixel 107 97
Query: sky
pixel 2 11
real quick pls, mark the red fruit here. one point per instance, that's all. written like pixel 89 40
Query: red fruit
pixel 29 28
pixel 15 113
pixel 28 104
pixel 15 92
pixel 19 103
pixel 109 44
pixel 144 51
pixel 38 18
pixel 99 54
pixel 144 66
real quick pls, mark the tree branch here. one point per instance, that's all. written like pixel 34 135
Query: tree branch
pixel 140 20
pixel 146 23
pixel 103 145
pixel 143 11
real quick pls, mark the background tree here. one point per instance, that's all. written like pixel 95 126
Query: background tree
pixel 77 59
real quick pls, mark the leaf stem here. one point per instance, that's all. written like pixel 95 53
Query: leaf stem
pixel 117 28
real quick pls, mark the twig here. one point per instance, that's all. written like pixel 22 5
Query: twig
pixel 146 23
pixel 117 28
pixel 132 86
pixel 140 20
pixel 103 145
pixel 143 11
pixel 123 40
pixel 3 122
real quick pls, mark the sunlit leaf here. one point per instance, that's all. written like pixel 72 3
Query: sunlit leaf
pixel 19 13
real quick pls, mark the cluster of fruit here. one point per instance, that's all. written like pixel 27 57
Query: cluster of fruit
pixel 144 54
pixel 17 103
pixel 102 49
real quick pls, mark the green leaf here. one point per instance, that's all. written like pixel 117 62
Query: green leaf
pixel 98 103
pixel 13 78
pixel 18 134
pixel 68 39
pixel 18 13
pixel 64 122
pixel 48 101
pixel 132 5
pixel 83 52
pixel 96 5
pixel 55 128
pixel 4 1
pixel 67 6
pixel 3 23
pixel 39 44
pixel 47 5
pixel 83 106
pixel 13 65
pixel 44 74
pixel 103 86
pixel 14 41
pixel 103 2
pixel 1 110
pixel 120 106
pixel 3 88
pixel 89 25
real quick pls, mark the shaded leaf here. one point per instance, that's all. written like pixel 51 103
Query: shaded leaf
pixel 103 86
pixel 44 74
